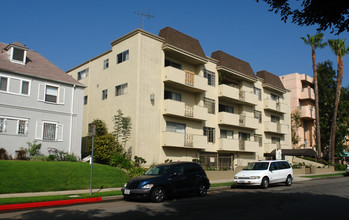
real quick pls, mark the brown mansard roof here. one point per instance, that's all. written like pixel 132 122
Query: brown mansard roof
pixel 36 66
pixel 271 79
pixel 182 41
pixel 233 63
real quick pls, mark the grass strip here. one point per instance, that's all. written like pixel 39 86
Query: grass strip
pixel 325 175
pixel 222 184
pixel 18 200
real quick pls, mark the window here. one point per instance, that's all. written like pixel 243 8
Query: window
pixel 226 108
pixel 105 94
pixel 83 74
pixel 49 132
pixel 175 127
pixel 2 125
pixel 22 127
pixel 210 133
pixel 18 54
pixel 275 118
pixel 121 89
pixel 106 64
pixel 85 99
pixel 258 92
pixel 244 136
pixel 210 105
pixel 122 57
pixel 173 95
pixel 173 64
pixel 25 88
pixel 210 77
pixel 275 140
pixel 51 94
pixel 227 134
pixel 258 138
pixel 3 83
pixel 274 97
pixel 258 115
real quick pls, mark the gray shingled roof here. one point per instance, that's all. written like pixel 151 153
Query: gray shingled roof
pixel 233 63
pixel 182 41
pixel 36 66
pixel 271 79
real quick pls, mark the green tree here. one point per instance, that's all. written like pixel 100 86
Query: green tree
pixel 327 14
pixel 295 124
pixel 340 49
pixel 122 128
pixel 327 89
pixel 316 42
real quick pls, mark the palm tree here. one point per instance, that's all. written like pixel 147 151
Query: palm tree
pixel 339 48
pixel 316 42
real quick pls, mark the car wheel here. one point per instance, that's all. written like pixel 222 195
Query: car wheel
pixel 265 183
pixel 158 195
pixel 288 180
pixel 202 190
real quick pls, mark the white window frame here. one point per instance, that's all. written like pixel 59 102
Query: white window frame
pixel 25 132
pixel 39 131
pixel 60 93
pixel 3 125
pixel 19 90
pixel 17 61
pixel 179 127
pixel 123 88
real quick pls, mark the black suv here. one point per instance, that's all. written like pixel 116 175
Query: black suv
pixel 168 179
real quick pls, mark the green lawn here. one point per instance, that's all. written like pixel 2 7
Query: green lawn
pixel 32 176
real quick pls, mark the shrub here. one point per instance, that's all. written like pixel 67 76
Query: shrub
pixel 38 158
pixel 3 154
pixel 340 167
pixel 33 148
pixel 119 160
pixel 71 158
pixel 56 154
pixel 139 161
pixel 21 154
pixel 104 148
pixel 137 171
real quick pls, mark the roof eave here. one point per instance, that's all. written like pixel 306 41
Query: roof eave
pixel 194 57
pixel 249 78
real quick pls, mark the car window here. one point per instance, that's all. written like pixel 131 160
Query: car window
pixel 189 169
pixel 257 166
pixel 273 166
pixel 177 169
pixel 158 170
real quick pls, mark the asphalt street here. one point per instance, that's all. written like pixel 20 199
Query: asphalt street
pixel 316 199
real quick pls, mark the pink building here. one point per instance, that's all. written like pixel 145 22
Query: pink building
pixel 302 98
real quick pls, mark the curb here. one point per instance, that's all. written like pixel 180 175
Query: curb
pixel 47 204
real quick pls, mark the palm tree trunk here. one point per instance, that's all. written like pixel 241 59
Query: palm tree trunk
pixel 338 94
pixel 317 114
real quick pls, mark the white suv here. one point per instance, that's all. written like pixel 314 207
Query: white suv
pixel 264 173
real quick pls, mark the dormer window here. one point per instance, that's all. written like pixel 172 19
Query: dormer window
pixel 17 53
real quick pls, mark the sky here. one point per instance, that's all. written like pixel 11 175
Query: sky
pixel 70 32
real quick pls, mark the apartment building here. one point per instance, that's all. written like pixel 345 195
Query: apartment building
pixel 183 104
pixel 38 101
pixel 302 98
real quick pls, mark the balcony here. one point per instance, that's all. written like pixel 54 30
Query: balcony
pixel 307 93
pixel 306 78
pixel 180 109
pixel 181 140
pixel 226 118
pixel 274 127
pixel 273 105
pixel 307 112
pixel 184 80
pixel 248 146
pixel 237 95
pixel 269 147
pixel 228 144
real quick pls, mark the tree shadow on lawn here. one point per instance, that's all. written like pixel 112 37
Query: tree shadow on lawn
pixel 224 205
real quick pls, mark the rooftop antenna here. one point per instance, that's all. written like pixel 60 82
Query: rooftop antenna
pixel 144 15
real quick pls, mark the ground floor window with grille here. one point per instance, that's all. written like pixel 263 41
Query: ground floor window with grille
pixel 13 126
pixel 49 131
pixel 210 133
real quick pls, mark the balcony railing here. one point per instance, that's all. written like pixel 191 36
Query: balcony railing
pixel 275 127
pixel 275 105
pixel 175 139
pixel 307 112
pixel 184 79
pixel 181 109
pixel 236 94
pixel 308 93
pixel 240 120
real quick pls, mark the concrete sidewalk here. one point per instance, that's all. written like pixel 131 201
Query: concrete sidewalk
pixel 297 178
